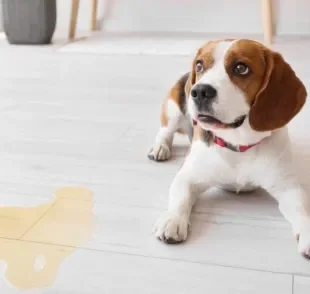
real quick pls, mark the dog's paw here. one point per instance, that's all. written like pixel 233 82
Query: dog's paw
pixel 304 240
pixel 171 228
pixel 160 152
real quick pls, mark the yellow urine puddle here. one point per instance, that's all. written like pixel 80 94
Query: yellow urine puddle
pixel 67 220
pixel 15 221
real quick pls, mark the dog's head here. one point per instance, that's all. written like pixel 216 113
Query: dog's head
pixel 234 80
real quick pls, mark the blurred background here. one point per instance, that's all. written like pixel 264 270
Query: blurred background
pixel 186 19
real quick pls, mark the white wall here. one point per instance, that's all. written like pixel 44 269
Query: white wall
pixel 239 16
pixel 210 16
pixel 63 15
pixel 1 25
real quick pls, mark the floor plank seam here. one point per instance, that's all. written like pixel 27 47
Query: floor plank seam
pixel 40 218
pixel 163 258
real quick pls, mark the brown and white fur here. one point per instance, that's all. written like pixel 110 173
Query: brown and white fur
pixel 252 94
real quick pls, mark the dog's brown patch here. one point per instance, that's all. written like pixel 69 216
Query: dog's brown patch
pixel 281 97
pixel 205 55
pixel 252 54
pixel 272 89
pixel 163 114
pixel 176 94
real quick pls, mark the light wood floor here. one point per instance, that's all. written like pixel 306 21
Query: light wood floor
pixel 70 120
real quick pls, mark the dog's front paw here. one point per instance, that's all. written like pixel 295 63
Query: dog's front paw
pixel 160 152
pixel 172 228
pixel 304 239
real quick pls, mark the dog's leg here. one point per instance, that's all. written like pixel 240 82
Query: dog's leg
pixel 172 120
pixel 294 205
pixel 193 178
pixel 172 226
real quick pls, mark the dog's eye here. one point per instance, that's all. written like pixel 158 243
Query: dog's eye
pixel 199 66
pixel 241 69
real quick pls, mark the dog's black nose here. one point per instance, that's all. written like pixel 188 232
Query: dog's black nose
pixel 203 91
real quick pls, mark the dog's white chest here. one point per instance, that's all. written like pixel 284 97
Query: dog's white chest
pixel 228 169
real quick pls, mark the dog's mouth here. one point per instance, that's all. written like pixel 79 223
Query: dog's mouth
pixel 217 123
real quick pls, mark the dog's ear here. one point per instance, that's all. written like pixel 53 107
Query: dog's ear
pixel 281 97
pixel 192 76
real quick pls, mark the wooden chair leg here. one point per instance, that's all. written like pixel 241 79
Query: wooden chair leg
pixel 73 19
pixel 267 20
pixel 93 23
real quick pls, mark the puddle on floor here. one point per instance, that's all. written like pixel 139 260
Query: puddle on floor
pixel 67 220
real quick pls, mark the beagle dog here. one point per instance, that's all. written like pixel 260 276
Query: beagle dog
pixel 234 105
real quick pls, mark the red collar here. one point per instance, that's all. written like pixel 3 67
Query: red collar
pixel 236 148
